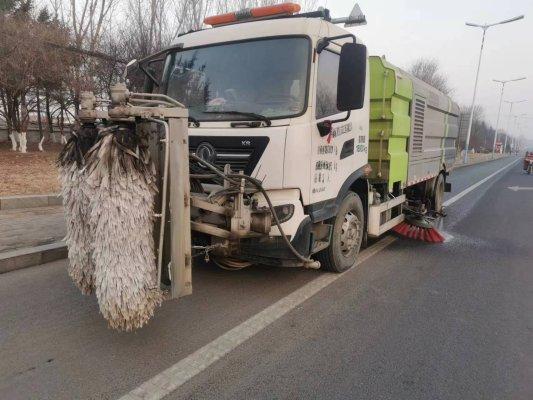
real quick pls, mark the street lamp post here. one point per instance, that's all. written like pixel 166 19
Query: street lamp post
pixel 484 27
pixel 499 111
pixel 509 119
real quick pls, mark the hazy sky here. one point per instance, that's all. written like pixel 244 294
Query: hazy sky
pixel 404 30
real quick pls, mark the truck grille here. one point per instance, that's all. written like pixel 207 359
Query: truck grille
pixel 239 159
pixel 241 153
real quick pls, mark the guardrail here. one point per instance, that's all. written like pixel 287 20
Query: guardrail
pixel 477 159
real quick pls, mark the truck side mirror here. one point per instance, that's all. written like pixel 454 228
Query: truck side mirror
pixel 352 77
pixel 129 65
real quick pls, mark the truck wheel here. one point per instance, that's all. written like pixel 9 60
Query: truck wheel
pixel 348 228
pixel 438 194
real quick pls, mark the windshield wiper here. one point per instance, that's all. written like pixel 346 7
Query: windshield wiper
pixel 255 116
pixel 194 121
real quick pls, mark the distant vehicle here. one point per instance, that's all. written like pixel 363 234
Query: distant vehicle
pixel 528 162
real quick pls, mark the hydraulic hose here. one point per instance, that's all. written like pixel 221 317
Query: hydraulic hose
pixel 308 262
pixel 212 168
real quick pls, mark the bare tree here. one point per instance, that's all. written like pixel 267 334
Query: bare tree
pixel 308 5
pixel 482 134
pixel 191 13
pixel 150 26
pixel 88 21
pixel 19 65
pixel 428 70
pixel 223 6
pixel 28 65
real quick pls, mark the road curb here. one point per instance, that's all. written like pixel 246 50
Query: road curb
pixel 30 201
pixel 31 256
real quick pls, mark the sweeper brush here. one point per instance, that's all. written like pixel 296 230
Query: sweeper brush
pixel 76 201
pixel 418 228
pixel 121 181
pixel 109 186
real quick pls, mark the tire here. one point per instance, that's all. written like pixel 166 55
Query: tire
pixel 438 194
pixel 346 238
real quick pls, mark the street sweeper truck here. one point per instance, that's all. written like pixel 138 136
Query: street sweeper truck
pixel 344 145
pixel 269 138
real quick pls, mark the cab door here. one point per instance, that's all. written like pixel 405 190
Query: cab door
pixel 337 154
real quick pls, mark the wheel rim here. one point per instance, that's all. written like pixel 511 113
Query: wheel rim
pixel 350 232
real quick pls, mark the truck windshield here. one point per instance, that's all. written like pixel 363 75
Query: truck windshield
pixel 266 77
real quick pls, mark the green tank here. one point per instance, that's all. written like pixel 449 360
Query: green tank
pixel 413 127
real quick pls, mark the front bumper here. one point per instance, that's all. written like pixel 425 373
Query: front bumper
pixel 272 250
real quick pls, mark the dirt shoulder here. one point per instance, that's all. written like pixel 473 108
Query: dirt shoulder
pixel 31 173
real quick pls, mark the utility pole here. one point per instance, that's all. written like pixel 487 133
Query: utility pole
pixel 499 111
pixel 484 27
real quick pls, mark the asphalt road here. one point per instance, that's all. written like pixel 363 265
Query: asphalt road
pixel 415 321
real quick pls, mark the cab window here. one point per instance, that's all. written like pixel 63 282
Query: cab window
pixel 326 92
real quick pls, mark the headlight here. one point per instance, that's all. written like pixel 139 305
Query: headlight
pixel 284 212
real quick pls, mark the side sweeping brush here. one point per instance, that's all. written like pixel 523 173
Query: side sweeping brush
pixel 121 178
pixel 418 228
pixel 72 175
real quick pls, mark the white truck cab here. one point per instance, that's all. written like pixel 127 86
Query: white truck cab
pixel 263 99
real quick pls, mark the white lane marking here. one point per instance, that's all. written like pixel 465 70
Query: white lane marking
pixel 517 188
pixel 481 182
pixel 172 378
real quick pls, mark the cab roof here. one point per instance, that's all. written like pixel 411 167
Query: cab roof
pixel 304 26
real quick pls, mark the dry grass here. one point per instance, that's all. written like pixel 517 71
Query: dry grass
pixel 31 173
